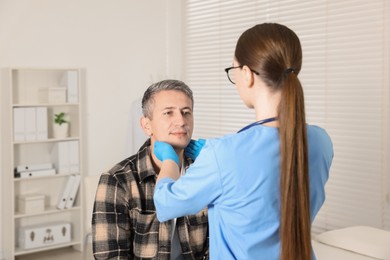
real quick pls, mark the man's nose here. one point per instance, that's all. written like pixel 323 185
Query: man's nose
pixel 180 119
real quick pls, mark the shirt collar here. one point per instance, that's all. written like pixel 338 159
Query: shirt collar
pixel 144 161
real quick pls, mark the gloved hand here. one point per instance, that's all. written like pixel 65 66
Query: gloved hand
pixel 193 148
pixel 165 151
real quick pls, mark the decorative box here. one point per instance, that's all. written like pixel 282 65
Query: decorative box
pixel 31 203
pixel 52 95
pixel 44 235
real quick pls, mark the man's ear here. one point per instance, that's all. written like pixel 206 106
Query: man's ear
pixel 146 126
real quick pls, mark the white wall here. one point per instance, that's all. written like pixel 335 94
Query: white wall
pixel 124 45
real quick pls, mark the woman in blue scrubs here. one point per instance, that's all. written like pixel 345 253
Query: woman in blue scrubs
pixel 265 184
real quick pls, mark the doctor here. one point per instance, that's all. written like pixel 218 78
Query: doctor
pixel 265 184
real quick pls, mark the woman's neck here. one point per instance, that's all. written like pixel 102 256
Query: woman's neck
pixel 266 106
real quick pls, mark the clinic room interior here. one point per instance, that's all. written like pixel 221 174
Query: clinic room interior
pixel 116 49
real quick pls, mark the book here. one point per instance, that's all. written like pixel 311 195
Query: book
pixel 35 173
pixel 73 192
pixel 65 192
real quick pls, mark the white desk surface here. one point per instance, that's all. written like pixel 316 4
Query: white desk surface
pixel 326 252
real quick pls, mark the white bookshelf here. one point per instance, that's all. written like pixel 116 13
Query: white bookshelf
pixel 30 88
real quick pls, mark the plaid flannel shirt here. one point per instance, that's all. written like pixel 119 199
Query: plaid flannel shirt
pixel 124 222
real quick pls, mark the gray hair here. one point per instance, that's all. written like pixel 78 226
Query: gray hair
pixel 169 84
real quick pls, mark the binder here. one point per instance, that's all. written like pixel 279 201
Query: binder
pixel 33 167
pixel 70 81
pixel 66 157
pixel 19 124
pixel 60 157
pixel 41 123
pixel 65 193
pixel 74 164
pixel 36 173
pixel 73 191
pixel 30 124
pixel 73 96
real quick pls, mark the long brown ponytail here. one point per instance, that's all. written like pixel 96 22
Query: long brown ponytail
pixel 275 52
pixel 294 179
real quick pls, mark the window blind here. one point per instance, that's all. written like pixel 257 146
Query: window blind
pixel 345 76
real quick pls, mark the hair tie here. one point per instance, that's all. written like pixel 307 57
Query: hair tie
pixel 289 70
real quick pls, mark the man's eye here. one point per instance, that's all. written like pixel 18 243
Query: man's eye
pixel 167 113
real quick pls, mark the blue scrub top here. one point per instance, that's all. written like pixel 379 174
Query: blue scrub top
pixel 237 177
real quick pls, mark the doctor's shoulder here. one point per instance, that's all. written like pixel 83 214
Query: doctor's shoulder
pixel 319 138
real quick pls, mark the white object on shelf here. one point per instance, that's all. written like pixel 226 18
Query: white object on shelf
pixel 65 156
pixel 61 131
pixel 60 157
pixel 35 173
pixel 52 95
pixel 70 81
pixel 41 121
pixel 74 161
pixel 33 167
pixel 30 124
pixel 73 192
pixel 31 203
pixel 35 236
pixel 19 124
pixel 66 192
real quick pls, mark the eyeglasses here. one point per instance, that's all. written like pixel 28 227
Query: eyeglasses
pixel 230 74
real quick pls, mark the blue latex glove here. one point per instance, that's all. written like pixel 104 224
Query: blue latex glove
pixel 165 151
pixel 193 148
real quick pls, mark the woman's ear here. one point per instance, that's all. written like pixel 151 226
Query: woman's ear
pixel 248 76
pixel 146 126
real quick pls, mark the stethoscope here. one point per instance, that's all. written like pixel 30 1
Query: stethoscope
pixel 260 122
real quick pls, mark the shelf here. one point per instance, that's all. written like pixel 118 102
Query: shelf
pixel 19 251
pixel 64 253
pixel 46 105
pixel 50 140
pixel 57 175
pixel 51 210
pixel 30 99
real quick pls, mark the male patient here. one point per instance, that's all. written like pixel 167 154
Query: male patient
pixel 124 223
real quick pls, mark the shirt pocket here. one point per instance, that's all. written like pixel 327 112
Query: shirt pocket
pixel 145 243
